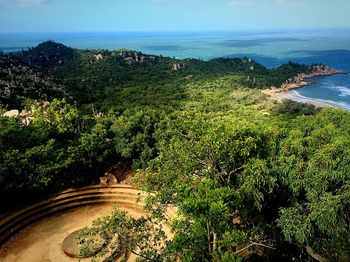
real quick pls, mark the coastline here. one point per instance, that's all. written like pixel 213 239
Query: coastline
pixel 288 90
pixel 295 96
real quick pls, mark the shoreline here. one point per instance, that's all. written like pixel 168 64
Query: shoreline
pixel 288 89
pixel 295 96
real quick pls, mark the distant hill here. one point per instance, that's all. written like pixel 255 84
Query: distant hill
pixel 124 77
pixel 47 56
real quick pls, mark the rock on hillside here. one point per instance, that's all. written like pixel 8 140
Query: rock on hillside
pixel 19 81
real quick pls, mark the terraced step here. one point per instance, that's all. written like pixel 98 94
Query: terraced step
pixel 121 195
pixel 116 197
pixel 73 194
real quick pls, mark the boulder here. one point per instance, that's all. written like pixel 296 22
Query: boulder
pixel 12 113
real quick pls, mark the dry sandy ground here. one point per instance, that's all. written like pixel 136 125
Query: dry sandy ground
pixel 42 240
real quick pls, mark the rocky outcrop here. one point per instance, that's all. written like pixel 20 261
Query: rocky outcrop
pixel 303 79
pixel 177 67
pixel 24 117
pixel 134 58
pixel 98 57
pixel 19 81
pixel 11 113
pixel 108 179
pixel 117 174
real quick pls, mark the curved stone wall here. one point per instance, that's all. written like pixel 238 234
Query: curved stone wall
pixel 121 195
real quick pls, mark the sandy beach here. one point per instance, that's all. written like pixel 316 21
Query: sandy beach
pixel 295 96
pixel 288 90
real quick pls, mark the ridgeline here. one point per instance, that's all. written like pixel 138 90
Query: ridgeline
pixel 125 78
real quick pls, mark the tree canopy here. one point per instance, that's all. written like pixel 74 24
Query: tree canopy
pixel 250 179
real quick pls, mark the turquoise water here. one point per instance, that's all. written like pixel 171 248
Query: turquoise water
pixel 334 88
pixel 269 48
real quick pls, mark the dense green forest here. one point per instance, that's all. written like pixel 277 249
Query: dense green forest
pixel 239 168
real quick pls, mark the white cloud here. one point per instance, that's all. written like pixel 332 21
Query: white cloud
pixel 174 1
pixel 25 3
pixel 289 3
pixel 271 3
pixel 240 3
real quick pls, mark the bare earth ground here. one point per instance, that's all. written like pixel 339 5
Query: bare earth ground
pixel 42 240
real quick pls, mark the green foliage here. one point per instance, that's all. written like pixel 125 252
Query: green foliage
pixel 123 234
pixel 216 170
pixel 293 107
pixel 313 165
pixel 58 115
pixel 236 173
pixel 204 231
pixel 133 135
pixel 288 71
pixel 122 79
pixel 47 55
pixel 60 148
pixel 223 147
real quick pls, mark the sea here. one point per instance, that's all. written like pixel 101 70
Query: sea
pixel 271 48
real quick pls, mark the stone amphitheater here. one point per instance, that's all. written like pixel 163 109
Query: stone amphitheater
pixel 36 233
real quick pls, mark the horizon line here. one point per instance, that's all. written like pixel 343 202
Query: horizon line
pixel 187 31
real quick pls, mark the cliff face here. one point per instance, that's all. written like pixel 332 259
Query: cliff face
pixel 19 81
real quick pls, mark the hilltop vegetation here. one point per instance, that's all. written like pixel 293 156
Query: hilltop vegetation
pixel 124 78
pixel 239 168
pixel 47 56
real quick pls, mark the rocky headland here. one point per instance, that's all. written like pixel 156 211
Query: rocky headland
pixel 303 79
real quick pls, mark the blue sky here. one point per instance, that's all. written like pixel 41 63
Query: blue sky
pixel 170 15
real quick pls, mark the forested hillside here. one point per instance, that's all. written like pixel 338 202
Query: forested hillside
pixel 239 168
pixel 19 81
pixel 125 78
